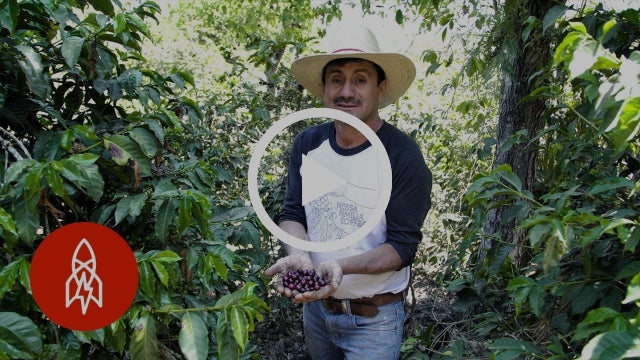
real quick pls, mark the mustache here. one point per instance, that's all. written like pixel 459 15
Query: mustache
pixel 346 101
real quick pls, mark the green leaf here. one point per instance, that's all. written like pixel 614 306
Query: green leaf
pixel 626 124
pixel 17 168
pixel 519 282
pixel 134 20
pixel 239 326
pixel 162 273
pixel 123 148
pixel 119 23
pixel 116 337
pixel 19 336
pixel 164 216
pixel 31 64
pixel 71 49
pixel 104 6
pixel 9 231
pixel 147 279
pixel 8 276
pixel 552 16
pixel 156 128
pixel 538 232
pixel 146 140
pixel 227 346
pixel 82 172
pixel 597 319
pixel 230 299
pixel 513 179
pixel 67 138
pixel 193 338
pixel 184 214
pixel 130 206
pixel 632 240
pixel 612 345
pixel 144 341
pixel 249 233
pixel 579 27
pixel 88 336
pixel 214 261
pixel 536 300
pixel 399 17
pixel 531 24
pixel 588 296
pixel 9 11
pixel 610 183
pixel 25 208
pixel 606 28
pixel 633 290
pixel 24 274
pixel 166 256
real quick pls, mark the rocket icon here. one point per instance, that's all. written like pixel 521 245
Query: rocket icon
pixel 83 284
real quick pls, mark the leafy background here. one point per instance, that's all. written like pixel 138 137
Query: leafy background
pixel 142 117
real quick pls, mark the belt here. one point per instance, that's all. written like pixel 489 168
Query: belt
pixel 367 307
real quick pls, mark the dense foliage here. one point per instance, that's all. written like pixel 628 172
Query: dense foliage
pixel 91 134
pixel 111 116
pixel 577 283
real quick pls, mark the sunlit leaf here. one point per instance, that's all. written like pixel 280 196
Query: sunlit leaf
pixel 193 338
pixel 227 345
pixel 612 345
pixel 166 256
pixel 71 49
pixel 239 326
pixel 9 231
pixel 144 341
pixel 627 123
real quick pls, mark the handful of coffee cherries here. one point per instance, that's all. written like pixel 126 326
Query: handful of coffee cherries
pixel 303 280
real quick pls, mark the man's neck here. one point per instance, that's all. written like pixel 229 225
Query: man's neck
pixel 349 137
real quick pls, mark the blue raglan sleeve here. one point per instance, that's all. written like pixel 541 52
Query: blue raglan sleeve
pixel 292 208
pixel 410 201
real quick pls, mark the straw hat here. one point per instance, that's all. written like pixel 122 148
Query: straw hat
pixel 356 42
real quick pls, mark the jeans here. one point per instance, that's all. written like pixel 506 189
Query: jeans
pixel 334 336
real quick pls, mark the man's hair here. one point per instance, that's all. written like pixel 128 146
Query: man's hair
pixel 343 61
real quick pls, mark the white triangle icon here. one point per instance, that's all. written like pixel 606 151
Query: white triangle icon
pixel 317 180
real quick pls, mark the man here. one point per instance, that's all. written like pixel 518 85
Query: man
pixel 360 313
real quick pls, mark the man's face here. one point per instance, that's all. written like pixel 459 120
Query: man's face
pixel 353 88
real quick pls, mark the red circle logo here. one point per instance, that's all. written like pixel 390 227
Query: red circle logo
pixel 84 276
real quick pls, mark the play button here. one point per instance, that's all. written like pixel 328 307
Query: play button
pixel 317 180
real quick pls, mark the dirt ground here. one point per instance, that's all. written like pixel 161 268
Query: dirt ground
pixel 428 309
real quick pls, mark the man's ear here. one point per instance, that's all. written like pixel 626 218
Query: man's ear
pixel 382 88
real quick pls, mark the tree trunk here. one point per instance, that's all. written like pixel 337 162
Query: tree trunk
pixel 513 117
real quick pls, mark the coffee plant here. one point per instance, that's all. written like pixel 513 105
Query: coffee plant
pixel 89 133
pixel 575 293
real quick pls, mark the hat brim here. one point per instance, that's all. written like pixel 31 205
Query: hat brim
pixel 399 71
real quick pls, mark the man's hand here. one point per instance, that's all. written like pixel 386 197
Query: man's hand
pixel 331 272
pixel 286 264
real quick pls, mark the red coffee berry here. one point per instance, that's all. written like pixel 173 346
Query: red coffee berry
pixel 303 280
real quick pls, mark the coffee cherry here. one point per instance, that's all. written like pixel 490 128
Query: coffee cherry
pixel 303 280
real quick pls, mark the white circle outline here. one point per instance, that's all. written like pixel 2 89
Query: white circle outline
pixel 383 200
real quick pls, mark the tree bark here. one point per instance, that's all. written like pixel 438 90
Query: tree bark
pixel 514 116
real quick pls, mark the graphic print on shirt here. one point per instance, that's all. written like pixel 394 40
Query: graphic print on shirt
pixel 341 212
